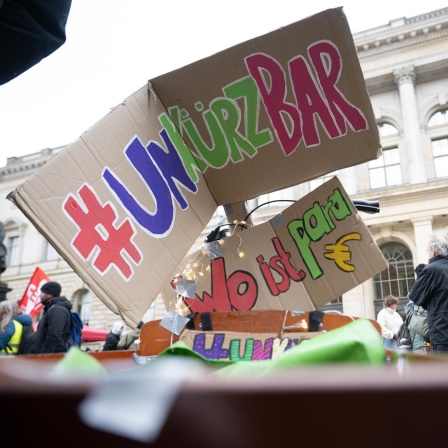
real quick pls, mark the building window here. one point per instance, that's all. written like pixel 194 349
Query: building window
pixel 334 305
pixel 397 279
pixel 151 313
pixel 85 302
pixel 50 252
pixel 13 248
pixel 387 130
pixel 437 130
pixel 386 170
pixel 440 155
pixel 440 118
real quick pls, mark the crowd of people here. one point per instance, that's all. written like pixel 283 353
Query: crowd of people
pixel 18 337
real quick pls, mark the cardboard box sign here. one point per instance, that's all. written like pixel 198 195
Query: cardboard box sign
pixel 310 254
pixel 125 202
pixel 236 346
pixel 294 99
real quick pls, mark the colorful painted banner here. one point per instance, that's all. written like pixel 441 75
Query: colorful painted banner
pixel 235 346
pixel 126 201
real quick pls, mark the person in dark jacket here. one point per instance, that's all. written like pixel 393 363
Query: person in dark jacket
pixel 418 343
pixel 113 337
pixel 430 291
pixel 54 327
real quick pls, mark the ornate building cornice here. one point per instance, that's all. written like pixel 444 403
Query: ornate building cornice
pixel 400 194
pixel 416 196
pixel 27 164
pixel 401 34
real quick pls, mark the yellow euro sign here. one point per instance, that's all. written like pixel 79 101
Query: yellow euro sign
pixel 340 252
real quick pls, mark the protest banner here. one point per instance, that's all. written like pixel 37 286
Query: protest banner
pixel 126 201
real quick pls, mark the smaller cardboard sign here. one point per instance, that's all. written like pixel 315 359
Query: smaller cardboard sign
pixel 236 346
pixel 302 259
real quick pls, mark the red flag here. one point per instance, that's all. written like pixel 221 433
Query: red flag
pixel 30 302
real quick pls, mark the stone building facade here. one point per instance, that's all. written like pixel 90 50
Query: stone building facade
pixel 405 66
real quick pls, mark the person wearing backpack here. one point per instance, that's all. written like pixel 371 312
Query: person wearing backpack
pixel 12 328
pixel 430 291
pixel 53 330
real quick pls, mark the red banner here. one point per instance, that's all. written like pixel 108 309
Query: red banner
pixel 30 302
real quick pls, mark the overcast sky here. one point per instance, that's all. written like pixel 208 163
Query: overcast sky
pixel 114 47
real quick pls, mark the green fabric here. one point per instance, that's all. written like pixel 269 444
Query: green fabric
pixel 180 348
pixel 76 362
pixel 357 342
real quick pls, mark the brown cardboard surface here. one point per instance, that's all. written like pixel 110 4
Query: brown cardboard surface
pixel 302 259
pixel 204 92
pixel 123 263
pixel 125 202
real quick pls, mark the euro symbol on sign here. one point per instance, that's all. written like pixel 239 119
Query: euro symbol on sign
pixel 340 252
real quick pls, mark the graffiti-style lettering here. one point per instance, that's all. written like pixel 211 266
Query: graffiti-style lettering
pixel 279 347
pixel 215 352
pixel 99 236
pixel 261 352
pixel 234 350
pixel 310 103
pixel 238 292
pixel 245 88
pixel 222 347
pixel 284 116
pixel 327 62
pixel 317 222
pixel 314 98
pixel 227 113
pixel 192 163
pixel 215 155
pixel 161 171
pixel 282 265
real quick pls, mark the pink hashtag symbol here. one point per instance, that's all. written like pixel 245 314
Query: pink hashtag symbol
pixel 96 229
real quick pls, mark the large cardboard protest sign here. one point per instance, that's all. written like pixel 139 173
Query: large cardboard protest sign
pixel 125 202
pixel 305 257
